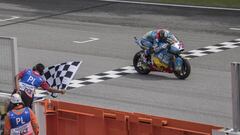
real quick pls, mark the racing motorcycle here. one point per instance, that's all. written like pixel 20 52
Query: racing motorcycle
pixel 164 63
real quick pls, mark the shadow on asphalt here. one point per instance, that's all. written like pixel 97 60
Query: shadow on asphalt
pixel 153 76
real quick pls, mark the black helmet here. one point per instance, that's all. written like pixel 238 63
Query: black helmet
pixel 39 67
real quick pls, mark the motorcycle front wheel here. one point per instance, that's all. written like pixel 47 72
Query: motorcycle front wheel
pixel 138 62
pixel 185 72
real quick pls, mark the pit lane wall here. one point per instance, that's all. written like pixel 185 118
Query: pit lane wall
pixel 62 118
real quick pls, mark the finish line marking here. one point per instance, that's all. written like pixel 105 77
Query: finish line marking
pixel 12 18
pixel 171 5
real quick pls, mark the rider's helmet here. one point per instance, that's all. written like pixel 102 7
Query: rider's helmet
pixel 39 68
pixel 16 99
pixel 161 34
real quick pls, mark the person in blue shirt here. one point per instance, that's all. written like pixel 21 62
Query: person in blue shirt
pixel 30 79
pixel 20 120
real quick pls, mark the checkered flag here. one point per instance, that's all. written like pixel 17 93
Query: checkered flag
pixel 60 75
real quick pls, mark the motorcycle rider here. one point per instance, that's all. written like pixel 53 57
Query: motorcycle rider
pixel 160 42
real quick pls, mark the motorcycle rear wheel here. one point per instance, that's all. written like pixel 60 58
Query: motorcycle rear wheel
pixel 136 59
pixel 185 72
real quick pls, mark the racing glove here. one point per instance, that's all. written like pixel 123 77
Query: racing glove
pixel 161 47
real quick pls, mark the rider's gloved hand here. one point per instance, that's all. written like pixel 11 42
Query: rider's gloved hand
pixel 165 46
pixel 149 51
pixel 161 47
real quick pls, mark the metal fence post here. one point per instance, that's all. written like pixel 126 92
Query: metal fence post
pixel 15 57
pixel 235 73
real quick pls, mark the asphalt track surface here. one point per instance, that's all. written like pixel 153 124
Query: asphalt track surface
pixel 46 30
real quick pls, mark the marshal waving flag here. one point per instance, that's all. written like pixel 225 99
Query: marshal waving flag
pixel 58 76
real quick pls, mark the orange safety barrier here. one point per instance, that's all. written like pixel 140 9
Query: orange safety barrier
pixel 153 125
pixel 64 118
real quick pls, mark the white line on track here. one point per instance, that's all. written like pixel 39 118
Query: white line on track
pixel 234 29
pixel 8 19
pixel 171 5
pixel 86 41
pixel 5 94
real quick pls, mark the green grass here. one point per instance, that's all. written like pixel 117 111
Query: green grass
pixel 215 3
